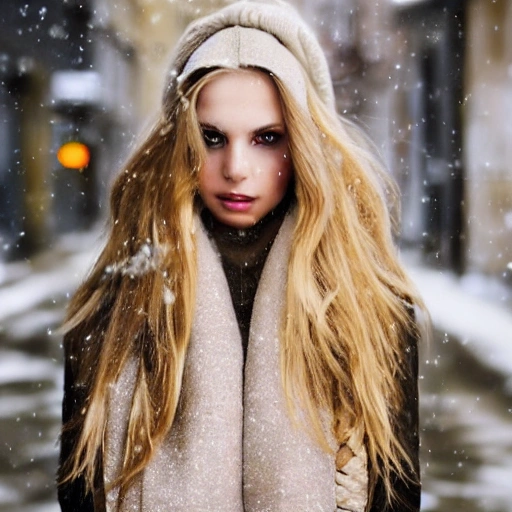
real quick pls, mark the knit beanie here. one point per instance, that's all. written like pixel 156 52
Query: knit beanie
pixel 267 34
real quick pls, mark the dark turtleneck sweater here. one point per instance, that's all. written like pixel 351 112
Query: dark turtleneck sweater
pixel 243 253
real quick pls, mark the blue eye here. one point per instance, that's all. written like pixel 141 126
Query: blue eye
pixel 269 138
pixel 213 138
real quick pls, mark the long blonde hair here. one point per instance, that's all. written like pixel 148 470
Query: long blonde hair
pixel 346 315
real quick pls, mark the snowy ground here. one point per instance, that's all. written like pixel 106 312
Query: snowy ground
pixel 458 307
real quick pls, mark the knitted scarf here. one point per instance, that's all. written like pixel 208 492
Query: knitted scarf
pixel 232 447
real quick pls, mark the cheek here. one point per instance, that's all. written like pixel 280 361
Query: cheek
pixel 282 176
pixel 279 162
pixel 284 167
pixel 206 173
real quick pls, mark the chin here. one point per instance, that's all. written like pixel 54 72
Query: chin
pixel 243 223
pixel 239 225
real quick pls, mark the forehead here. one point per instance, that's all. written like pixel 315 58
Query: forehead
pixel 244 92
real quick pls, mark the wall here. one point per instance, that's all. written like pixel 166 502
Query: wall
pixel 488 136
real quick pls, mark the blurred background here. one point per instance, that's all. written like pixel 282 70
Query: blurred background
pixel 430 80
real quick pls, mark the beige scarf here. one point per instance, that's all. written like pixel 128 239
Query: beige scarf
pixel 232 447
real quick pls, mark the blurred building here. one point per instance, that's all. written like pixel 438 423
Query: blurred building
pixel 431 43
pixel 453 144
pixel 488 137
pixel 52 89
pixel 30 47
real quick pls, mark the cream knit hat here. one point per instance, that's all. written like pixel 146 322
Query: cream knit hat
pixel 213 41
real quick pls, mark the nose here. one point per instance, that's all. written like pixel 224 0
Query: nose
pixel 236 163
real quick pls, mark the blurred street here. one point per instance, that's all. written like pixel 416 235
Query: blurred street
pixel 466 393
pixel 466 405
pixel 33 298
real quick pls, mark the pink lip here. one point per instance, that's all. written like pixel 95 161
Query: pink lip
pixel 236 202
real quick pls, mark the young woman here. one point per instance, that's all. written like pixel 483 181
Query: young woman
pixel 246 340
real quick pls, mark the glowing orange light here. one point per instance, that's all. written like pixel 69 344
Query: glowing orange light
pixel 74 155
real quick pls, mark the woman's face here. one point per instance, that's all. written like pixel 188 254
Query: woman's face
pixel 247 168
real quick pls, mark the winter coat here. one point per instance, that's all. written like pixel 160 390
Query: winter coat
pixel 73 498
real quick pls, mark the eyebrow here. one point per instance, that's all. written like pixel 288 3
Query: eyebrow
pixel 270 127
pixel 211 127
